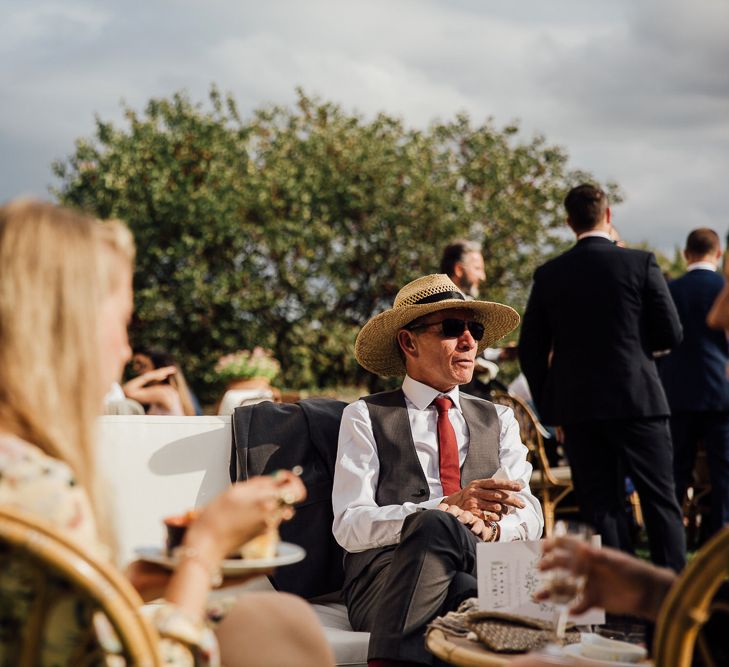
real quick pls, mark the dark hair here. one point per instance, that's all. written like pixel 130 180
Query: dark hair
pixel 702 241
pixel 159 358
pixel 454 252
pixel 586 205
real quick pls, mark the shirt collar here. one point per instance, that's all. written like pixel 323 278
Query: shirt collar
pixel 709 266
pixel 602 235
pixel 421 395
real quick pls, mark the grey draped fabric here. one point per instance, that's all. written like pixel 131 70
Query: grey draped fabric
pixel 272 436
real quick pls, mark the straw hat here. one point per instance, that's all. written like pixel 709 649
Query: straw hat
pixel 376 347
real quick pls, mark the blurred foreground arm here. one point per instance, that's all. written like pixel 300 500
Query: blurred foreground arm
pixel 718 317
pixel 619 583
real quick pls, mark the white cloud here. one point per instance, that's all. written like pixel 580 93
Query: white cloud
pixel 636 92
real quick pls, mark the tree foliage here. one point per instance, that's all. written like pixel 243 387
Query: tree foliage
pixel 291 228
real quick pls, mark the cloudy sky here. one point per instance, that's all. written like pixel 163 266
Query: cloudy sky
pixel 637 92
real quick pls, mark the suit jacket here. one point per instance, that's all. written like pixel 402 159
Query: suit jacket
pixel 694 374
pixel 594 318
pixel 272 436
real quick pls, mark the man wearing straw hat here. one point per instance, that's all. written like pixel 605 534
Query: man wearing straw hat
pixel 425 473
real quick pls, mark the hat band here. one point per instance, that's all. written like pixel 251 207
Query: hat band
pixel 441 296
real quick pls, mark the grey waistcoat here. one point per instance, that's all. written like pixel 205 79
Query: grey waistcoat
pixel 401 477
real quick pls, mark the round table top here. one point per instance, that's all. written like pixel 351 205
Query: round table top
pixel 463 652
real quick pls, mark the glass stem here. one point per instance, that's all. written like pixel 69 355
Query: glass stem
pixel 561 623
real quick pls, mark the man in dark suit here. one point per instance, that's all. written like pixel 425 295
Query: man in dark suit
pixel 694 375
pixel 595 316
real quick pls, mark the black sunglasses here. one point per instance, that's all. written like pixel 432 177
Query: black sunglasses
pixel 453 328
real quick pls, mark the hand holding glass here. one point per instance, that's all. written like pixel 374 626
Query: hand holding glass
pixel 562 584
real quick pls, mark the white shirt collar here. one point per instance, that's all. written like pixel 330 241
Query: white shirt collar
pixel 709 266
pixel 421 395
pixel 603 235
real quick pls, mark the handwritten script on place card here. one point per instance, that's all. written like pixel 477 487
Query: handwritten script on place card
pixel 508 579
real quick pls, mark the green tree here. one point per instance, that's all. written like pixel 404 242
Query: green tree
pixel 291 228
pixel 672 268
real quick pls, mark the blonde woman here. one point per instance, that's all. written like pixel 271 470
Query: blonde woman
pixel 65 301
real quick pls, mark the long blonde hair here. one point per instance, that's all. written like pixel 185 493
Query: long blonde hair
pixel 56 267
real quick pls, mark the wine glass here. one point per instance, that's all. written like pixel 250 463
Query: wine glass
pixel 562 584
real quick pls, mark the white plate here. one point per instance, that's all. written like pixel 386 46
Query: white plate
pixel 575 650
pixel 286 554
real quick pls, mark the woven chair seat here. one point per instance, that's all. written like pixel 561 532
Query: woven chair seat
pixel 560 473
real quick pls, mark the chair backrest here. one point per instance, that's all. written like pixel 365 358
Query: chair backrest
pixel 25 537
pixel 154 466
pixel 531 434
pixel 269 436
pixel 688 607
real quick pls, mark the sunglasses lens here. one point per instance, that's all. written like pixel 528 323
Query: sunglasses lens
pixel 476 329
pixel 453 328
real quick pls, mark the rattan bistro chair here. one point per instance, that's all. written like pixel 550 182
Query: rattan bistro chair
pixel 690 604
pixel 550 484
pixel 24 537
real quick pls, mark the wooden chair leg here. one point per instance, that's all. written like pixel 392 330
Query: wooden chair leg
pixel 548 509
pixel 637 511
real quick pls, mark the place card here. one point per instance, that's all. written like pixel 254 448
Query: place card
pixel 508 578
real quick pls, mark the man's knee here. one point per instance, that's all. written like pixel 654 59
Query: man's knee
pixel 430 525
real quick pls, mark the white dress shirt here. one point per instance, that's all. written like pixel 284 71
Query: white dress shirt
pixel 706 266
pixel 600 235
pixel 360 523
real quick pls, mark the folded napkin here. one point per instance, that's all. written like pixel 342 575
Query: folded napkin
pixel 508 633
pixel 454 622
pixel 499 632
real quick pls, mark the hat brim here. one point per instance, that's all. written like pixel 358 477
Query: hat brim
pixel 376 347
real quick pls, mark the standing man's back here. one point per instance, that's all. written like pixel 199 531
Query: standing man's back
pixel 595 316
pixel 694 375
pixel 607 310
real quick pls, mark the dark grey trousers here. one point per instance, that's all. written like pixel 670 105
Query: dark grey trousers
pixel 430 572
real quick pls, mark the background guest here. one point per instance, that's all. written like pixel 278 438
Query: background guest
pixel 160 385
pixel 595 315
pixel 463 263
pixel 694 375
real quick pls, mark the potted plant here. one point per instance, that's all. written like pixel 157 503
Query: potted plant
pixel 248 369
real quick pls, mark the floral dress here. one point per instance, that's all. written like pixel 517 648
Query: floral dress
pixel 76 632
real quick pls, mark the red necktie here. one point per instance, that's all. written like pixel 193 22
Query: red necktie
pixel 450 471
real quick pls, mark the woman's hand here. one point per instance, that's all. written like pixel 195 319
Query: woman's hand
pixel 148 389
pixel 243 512
pixel 619 583
pixel 236 516
pixel 148 377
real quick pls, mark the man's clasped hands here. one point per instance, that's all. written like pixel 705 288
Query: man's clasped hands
pixel 482 503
